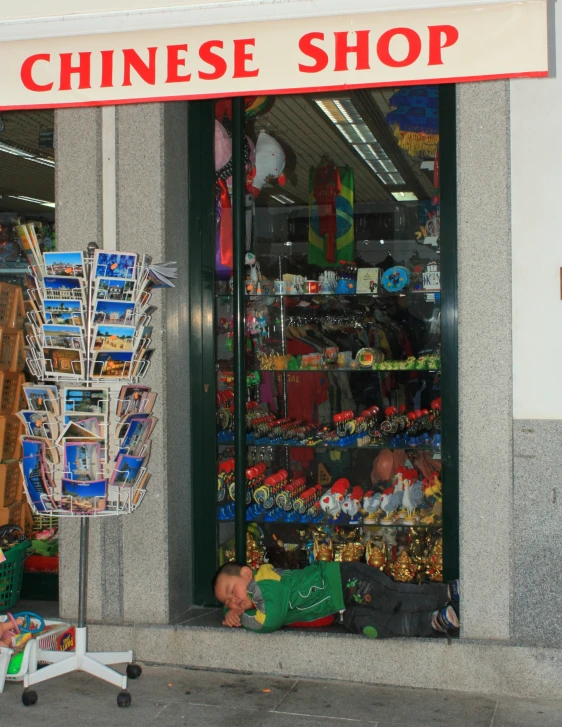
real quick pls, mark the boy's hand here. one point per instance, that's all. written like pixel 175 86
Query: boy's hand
pixel 232 619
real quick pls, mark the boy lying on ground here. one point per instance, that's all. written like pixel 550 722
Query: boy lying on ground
pixel 368 601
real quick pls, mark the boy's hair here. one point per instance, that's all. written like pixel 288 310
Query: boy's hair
pixel 227 569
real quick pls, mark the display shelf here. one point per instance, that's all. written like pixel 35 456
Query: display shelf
pixel 340 296
pixel 251 442
pixel 338 369
pixel 325 521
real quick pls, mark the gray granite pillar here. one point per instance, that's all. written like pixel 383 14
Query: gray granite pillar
pixel 139 565
pixel 485 358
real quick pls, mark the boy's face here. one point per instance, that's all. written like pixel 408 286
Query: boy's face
pixel 232 590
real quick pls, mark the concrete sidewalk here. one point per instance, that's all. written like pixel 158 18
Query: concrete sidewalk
pixel 168 697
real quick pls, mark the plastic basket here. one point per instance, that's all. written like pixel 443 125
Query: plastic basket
pixel 11 575
pixel 10 430
pixel 12 312
pixel 11 515
pixel 10 392
pixel 5 656
pixel 11 485
pixel 61 637
pixel 12 356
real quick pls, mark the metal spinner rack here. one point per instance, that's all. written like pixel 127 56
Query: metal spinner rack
pixel 119 501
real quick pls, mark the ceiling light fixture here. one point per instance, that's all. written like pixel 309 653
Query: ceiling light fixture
pixel 31 199
pixel 351 125
pixel 405 196
pixel 15 151
pixel 282 199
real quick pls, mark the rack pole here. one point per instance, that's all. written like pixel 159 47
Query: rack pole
pixel 238 220
pixel 83 572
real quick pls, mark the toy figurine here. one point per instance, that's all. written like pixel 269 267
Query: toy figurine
pixel 413 495
pixel 332 499
pixel 372 505
pixel 392 498
pixel 351 504
pixel 9 629
pixel 376 553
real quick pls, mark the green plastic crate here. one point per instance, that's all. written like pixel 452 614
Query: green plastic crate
pixel 11 575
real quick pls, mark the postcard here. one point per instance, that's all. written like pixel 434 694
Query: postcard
pixel 41 397
pixel 114 312
pixel 33 311
pixel 64 312
pixel 51 452
pixel 108 337
pixel 82 496
pixel 132 399
pixel 37 480
pixel 140 489
pixel 73 430
pixel 39 423
pixel 112 364
pixel 62 288
pixel 85 401
pixel 63 362
pixel 137 435
pixel 70 264
pixel 115 289
pixel 113 264
pixel 55 336
pixel 127 469
pixel 122 426
pixel 92 425
pixel 142 361
pixel 82 460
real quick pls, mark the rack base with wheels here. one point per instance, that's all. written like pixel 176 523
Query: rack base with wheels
pixel 96 663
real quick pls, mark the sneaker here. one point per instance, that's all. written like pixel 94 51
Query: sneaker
pixel 445 620
pixel 454 590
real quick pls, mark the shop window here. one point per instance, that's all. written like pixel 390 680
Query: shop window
pixel 343 340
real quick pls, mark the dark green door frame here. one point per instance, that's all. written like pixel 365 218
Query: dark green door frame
pixel 201 210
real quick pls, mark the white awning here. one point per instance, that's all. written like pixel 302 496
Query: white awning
pixel 126 51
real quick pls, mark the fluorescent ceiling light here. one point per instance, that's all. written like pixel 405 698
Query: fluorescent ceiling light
pixel 405 196
pixel 32 199
pixel 351 125
pixel 282 199
pixel 15 151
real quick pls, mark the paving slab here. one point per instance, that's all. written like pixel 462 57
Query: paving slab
pixel 173 697
pixel 389 704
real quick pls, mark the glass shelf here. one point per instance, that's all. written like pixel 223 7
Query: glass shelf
pixel 340 522
pixel 254 296
pixel 251 442
pixel 337 369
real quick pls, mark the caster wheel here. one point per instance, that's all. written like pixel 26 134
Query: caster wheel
pixel 29 698
pixel 123 699
pixel 134 671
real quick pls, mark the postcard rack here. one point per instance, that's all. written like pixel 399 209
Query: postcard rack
pixel 88 419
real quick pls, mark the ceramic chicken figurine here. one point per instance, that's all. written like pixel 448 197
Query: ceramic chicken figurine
pixel 331 500
pixel 391 501
pixel 351 504
pixel 413 496
pixel 432 489
pixel 371 505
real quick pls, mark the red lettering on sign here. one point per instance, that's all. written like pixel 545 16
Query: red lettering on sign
pixel 67 70
pixel 241 56
pixel 361 50
pixel 106 69
pixel 175 62
pixel 27 70
pixel 414 47
pixel 451 35
pixel 313 51
pixel 213 59
pixel 132 60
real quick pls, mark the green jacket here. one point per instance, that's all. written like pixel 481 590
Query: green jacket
pixel 282 597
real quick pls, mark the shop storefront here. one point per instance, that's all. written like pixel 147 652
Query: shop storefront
pixel 337 191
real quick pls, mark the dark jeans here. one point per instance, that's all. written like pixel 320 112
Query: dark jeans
pixel 393 609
